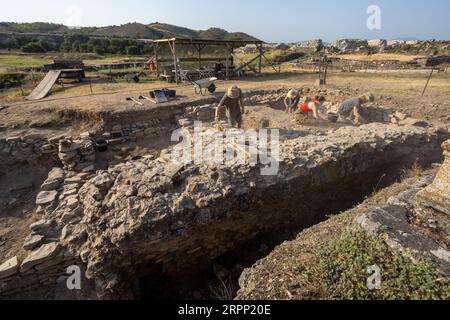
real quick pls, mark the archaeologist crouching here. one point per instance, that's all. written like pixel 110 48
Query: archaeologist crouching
pixel 353 108
pixel 234 104
pixel 292 100
pixel 312 109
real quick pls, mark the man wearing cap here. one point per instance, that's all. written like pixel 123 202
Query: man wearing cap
pixel 291 101
pixel 352 108
pixel 232 100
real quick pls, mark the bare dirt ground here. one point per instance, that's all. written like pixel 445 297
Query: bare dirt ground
pixel 399 91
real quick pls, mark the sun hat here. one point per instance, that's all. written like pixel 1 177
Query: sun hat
pixel 233 92
pixel 292 94
pixel 369 96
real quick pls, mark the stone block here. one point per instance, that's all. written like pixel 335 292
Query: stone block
pixel 33 241
pixel 437 195
pixel 9 268
pixel 46 197
pixel 40 256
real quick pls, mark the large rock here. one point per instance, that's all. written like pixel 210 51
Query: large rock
pixel 41 255
pixel 56 174
pixel 46 197
pixel 437 195
pixel 33 241
pixel 9 268
pixel 350 45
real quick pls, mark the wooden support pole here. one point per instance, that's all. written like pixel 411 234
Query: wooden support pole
pixel 272 65
pixel 428 81
pixel 260 57
pixel 173 48
pixel 245 65
pixel 199 48
pixel 227 68
pixel 155 51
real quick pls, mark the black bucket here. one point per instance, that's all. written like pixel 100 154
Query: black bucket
pixel 101 145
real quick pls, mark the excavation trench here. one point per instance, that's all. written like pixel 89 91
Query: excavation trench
pixel 264 218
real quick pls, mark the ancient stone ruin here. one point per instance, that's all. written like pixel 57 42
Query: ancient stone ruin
pixel 152 217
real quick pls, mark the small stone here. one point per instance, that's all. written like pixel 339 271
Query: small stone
pixel 73 202
pixel 9 268
pixel 89 168
pixel 70 192
pixel 33 241
pixel 50 185
pixel 46 197
pixel 414 122
pixel 85 135
pixel 55 140
pixel 41 226
pixel 67 156
pixel 68 146
pixel 73 180
pixel 48 149
pixel 56 174
pixel 14 139
pixel 400 116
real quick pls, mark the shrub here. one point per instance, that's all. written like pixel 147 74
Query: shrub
pixel 33 47
pixel 340 267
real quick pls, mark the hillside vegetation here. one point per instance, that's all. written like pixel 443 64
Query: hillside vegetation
pixel 130 30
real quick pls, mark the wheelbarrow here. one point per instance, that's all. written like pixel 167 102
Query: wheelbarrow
pixel 205 85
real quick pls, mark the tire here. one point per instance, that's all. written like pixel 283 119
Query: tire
pixel 212 88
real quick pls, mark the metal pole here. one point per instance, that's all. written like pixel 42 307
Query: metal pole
pixel 428 81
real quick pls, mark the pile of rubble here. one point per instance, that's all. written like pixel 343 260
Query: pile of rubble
pixel 349 46
pixel 428 47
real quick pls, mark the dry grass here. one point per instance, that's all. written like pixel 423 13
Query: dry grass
pixel 415 171
pixel 380 57
pixel 223 288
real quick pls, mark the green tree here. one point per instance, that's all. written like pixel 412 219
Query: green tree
pixel 99 50
pixel 133 50
pixel 33 47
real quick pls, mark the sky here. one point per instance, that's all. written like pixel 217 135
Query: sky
pixel 269 20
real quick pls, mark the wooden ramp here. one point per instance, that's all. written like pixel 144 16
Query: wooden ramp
pixel 45 86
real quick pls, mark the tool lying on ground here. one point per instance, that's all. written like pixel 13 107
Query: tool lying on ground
pixel 135 101
pixel 147 98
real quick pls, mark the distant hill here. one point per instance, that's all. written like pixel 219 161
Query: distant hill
pixel 130 30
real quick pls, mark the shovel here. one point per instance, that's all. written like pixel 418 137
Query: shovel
pixel 135 101
pixel 146 98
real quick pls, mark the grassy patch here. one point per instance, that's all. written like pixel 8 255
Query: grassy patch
pixel 22 61
pixel 339 267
